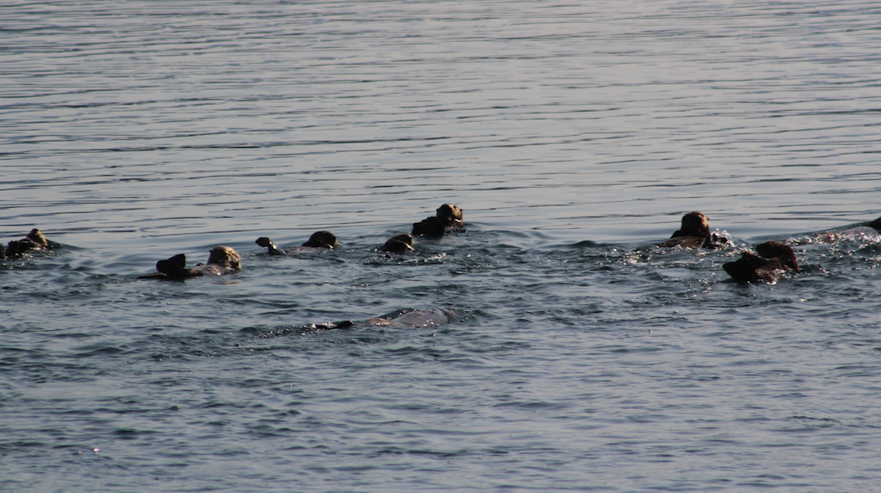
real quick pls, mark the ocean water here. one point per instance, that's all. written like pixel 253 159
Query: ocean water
pixel 573 135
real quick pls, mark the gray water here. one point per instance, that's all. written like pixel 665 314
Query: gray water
pixel 574 136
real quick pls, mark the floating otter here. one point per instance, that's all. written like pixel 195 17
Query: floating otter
pixel 401 243
pixel 320 240
pixel 33 242
pixel 447 219
pixel 222 260
pixel 773 259
pixel 695 233
pixel 414 318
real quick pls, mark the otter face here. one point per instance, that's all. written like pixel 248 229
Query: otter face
pixel 225 256
pixel 450 213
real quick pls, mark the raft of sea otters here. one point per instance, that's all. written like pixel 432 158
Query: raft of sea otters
pixel 771 259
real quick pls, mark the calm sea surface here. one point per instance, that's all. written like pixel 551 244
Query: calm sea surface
pixel 573 135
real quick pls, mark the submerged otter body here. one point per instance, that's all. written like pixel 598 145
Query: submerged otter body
pixel 773 259
pixel 320 240
pixel 33 242
pixel 416 318
pixel 222 260
pixel 695 233
pixel 411 319
pixel 448 219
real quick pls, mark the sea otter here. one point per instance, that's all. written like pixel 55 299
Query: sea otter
pixel 448 219
pixel 222 260
pixel 695 233
pixel 414 318
pixel 401 243
pixel 34 241
pixel 320 240
pixel 773 259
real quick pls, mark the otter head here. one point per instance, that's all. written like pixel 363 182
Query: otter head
pixel 37 237
pixel 399 244
pixel 322 239
pixel 450 214
pixel 781 251
pixel 225 256
pixel 695 224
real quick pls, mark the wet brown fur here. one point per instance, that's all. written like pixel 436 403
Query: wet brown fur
pixel 221 260
pixel 448 218
pixel 773 259
pixel 401 243
pixel 318 240
pixel 695 233
pixel 34 241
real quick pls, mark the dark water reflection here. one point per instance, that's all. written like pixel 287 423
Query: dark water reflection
pixel 573 136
